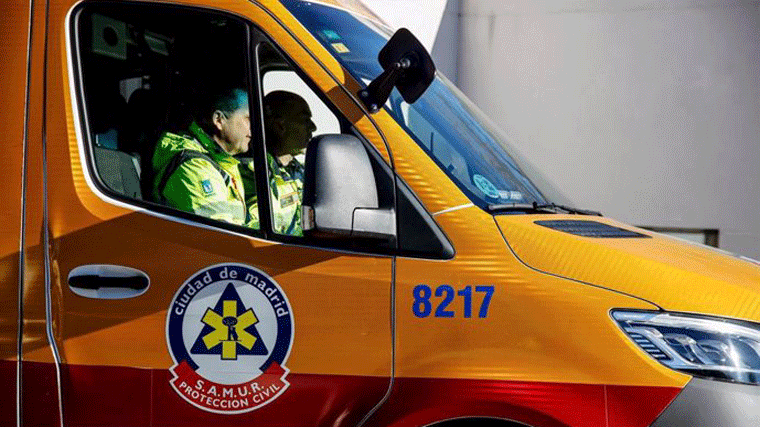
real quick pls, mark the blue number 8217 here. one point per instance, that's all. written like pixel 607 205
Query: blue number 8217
pixel 423 306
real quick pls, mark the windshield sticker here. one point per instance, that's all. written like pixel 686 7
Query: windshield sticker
pixel 514 196
pixel 229 330
pixel 485 186
pixel 331 35
pixel 340 48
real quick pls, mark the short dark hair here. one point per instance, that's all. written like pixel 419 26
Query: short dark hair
pixel 276 103
pixel 226 100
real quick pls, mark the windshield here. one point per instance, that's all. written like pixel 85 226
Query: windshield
pixel 448 127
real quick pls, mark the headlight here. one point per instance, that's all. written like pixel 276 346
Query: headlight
pixel 714 348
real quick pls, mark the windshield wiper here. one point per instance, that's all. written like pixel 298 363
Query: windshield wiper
pixel 568 209
pixel 519 207
pixel 536 207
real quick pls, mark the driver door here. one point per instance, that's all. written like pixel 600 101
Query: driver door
pixel 164 317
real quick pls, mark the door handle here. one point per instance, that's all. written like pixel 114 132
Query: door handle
pixel 108 281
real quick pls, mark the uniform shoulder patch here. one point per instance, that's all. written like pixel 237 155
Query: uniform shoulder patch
pixel 208 188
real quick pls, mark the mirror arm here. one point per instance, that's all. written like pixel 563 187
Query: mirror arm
pixel 378 91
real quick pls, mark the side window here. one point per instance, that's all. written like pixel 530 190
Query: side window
pixel 287 80
pixel 166 104
pixel 292 115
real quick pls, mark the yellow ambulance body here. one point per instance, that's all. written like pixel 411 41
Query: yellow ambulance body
pixel 477 304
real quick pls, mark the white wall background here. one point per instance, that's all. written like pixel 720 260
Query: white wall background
pixel 434 22
pixel 648 110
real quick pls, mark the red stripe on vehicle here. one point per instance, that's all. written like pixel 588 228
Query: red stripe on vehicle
pixel 423 401
pixel 39 395
pixel 631 406
pixel 102 395
pixel 8 392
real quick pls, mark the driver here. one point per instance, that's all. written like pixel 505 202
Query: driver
pixel 288 127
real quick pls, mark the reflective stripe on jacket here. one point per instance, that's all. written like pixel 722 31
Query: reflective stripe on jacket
pixel 285 193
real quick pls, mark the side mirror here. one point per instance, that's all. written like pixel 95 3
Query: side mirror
pixel 408 67
pixel 340 193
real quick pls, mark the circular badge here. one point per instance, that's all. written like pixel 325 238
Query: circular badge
pixel 485 186
pixel 229 330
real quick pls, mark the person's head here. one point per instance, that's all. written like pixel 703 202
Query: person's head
pixel 227 120
pixel 287 118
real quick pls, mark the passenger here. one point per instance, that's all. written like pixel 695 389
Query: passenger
pixel 288 126
pixel 196 171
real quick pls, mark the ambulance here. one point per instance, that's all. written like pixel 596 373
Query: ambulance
pixel 440 280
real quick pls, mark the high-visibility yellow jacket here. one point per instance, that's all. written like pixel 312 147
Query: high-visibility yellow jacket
pixel 285 192
pixel 193 174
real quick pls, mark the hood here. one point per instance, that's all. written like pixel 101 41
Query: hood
pixel 673 274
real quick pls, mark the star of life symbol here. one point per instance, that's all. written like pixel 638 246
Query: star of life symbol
pixel 229 330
